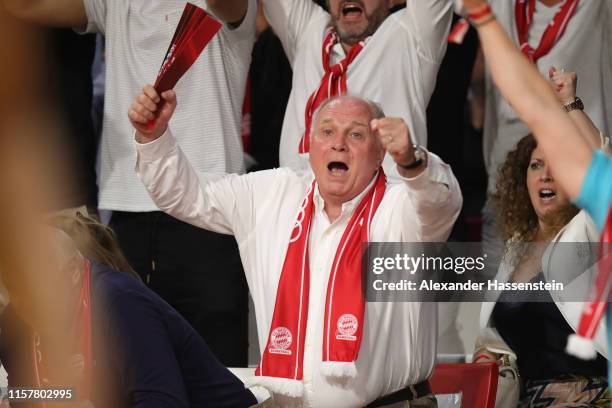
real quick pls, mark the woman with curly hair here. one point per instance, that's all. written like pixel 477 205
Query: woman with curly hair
pixel 531 329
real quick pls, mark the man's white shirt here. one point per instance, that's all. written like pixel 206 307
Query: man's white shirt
pixel 396 69
pixel 260 209
pixel 211 93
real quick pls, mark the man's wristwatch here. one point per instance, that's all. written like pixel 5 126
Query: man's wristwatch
pixel 419 156
pixel 573 105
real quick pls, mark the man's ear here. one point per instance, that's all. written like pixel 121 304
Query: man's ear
pixel 381 156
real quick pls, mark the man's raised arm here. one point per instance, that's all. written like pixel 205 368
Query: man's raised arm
pixel 430 20
pixel 175 187
pixel 231 12
pixel 433 189
pixel 52 13
pixel 518 80
pixel 288 19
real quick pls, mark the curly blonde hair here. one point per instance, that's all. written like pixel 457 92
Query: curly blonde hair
pixel 518 219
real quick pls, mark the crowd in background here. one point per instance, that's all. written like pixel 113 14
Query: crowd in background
pixel 247 105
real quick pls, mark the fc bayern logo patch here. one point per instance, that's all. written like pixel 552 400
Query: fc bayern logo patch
pixel 347 327
pixel 280 340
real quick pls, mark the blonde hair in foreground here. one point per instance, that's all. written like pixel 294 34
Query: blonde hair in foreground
pixel 94 240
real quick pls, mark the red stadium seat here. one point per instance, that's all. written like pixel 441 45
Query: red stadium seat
pixel 476 382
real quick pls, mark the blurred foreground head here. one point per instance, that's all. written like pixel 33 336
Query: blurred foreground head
pixel 30 185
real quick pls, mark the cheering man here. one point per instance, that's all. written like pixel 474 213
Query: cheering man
pixel 360 48
pixel 300 236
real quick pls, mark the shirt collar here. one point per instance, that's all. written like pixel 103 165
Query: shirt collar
pixel 347 207
pixel 338 51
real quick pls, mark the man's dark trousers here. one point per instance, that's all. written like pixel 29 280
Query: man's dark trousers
pixel 196 271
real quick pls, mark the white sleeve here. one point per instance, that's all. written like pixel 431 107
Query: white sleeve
pixel 96 16
pixel 224 205
pixel 289 19
pixel 429 21
pixel 436 199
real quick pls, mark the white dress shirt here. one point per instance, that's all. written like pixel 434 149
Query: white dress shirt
pixel 399 339
pixel 396 69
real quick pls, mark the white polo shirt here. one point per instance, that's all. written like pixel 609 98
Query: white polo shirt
pixel 586 47
pixel 397 68
pixel 399 338
pixel 208 123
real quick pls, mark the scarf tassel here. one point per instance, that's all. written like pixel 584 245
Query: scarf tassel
pixel 581 347
pixel 277 385
pixel 346 369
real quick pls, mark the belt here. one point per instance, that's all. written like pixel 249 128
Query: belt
pixel 409 393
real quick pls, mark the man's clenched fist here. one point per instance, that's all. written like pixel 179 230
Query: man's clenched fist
pixel 150 114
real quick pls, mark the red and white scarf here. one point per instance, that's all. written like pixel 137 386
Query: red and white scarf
pixel 280 369
pixel 332 84
pixel 81 333
pixel 524 10
pixel 580 344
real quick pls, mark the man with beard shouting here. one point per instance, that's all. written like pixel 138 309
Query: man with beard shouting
pixel 359 47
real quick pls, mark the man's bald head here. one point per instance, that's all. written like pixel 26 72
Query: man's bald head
pixel 376 111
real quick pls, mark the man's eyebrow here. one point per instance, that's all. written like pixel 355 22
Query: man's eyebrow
pixel 354 122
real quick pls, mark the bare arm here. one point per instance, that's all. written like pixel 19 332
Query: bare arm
pixel 565 84
pixel 53 13
pixel 229 11
pixel 536 104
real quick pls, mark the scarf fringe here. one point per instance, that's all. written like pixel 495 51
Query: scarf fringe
pixel 276 385
pixel 339 369
pixel 580 347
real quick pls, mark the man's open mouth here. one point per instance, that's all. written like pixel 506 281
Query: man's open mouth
pixel 352 10
pixel 547 194
pixel 337 168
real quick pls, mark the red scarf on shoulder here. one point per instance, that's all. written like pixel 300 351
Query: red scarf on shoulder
pixel 332 84
pixel 524 10
pixel 82 335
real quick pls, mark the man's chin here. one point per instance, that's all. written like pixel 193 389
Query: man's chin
pixel 351 38
pixel 350 33
pixel 335 189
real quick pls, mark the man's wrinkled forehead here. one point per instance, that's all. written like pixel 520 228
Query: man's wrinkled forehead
pixel 346 109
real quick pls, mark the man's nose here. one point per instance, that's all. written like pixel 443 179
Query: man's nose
pixel 339 142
